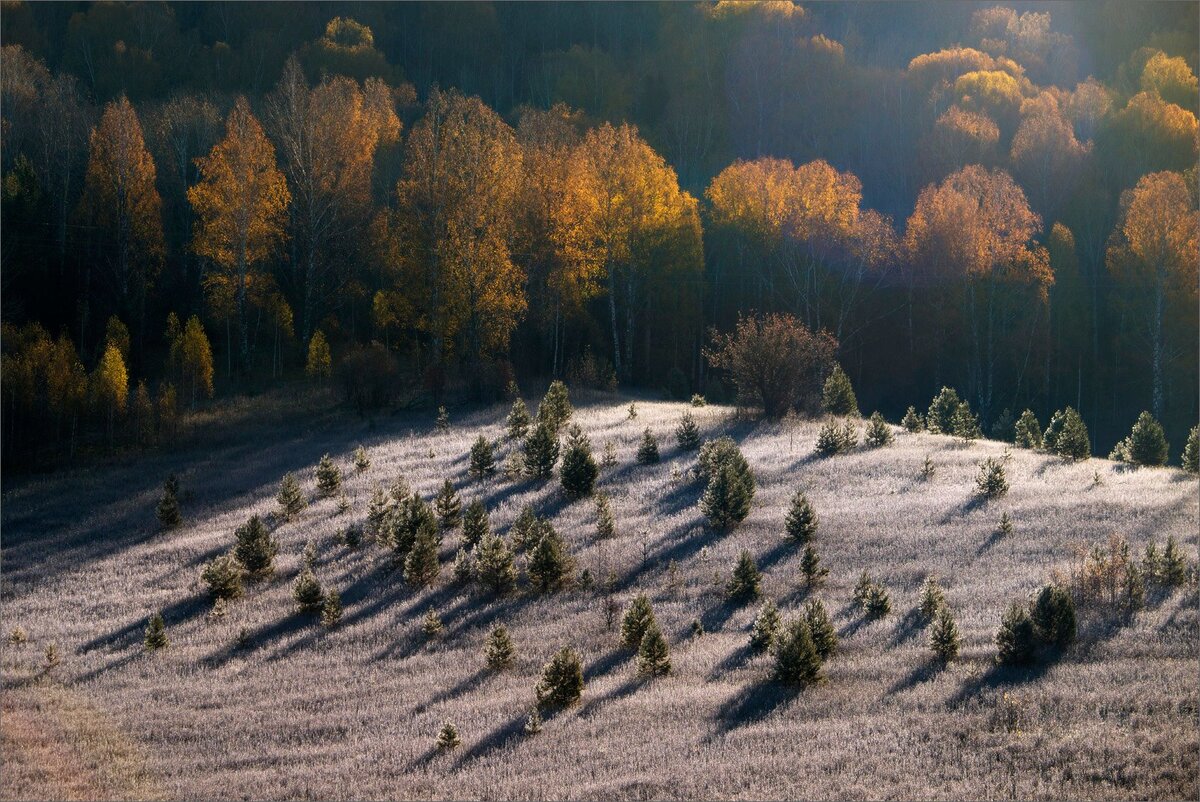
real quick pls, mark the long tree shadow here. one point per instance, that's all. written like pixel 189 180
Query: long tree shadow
pixel 174 614
pixel 735 660
pixel 999 676
pixel 973 503
pixel 907 627
pixel 754 703
pixel 464 686
pixel 995 537
pixel 602 666
pixel 922 673
pixel 593 705
pixel 716 617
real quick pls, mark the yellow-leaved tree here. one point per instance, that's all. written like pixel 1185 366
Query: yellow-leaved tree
pixel 241 209
pixel 121 201
pixel 1153 257
pixel 453 228
pixel 110 384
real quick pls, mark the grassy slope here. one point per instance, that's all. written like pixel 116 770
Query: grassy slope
pixel 354 712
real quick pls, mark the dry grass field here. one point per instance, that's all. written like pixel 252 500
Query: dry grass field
pixel 301 711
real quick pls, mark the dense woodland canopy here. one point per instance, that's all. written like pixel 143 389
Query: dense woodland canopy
pixel 206 198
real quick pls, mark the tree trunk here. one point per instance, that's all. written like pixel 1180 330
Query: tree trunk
pixel 612 309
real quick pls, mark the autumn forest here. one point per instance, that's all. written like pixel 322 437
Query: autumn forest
pixel 421 203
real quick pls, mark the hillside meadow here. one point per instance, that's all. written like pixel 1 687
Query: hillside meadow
pixel 265 703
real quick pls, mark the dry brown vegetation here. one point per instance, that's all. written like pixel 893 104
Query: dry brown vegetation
pixel 353 711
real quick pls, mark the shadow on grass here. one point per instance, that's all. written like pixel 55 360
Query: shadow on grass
pixel 465 686
pixel 501 736
pixel 907 627
pixel 975 502
pixel 1001 676
pixel 131 634
pixel 735 660
pixel 593 706
pixel 754 703
pixel 995 537
pixel 922 673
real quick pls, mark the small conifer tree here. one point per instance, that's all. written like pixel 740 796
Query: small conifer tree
pixel 726 499
pixel 1067 436
pixel 878 603
pixel 561 684
pixel 800 525
pixel 606 525
pixel 329 477
pixel 156 634
pixel 51 654
pixel 331 609
pixel 638 618
pixel 525 530
pixel 654 655
pixel 632 411
pixel 940 417
pixel 361 461
pixel 965 423
pixel 168 508
pixel 1172 565
pixel 1006 525
pixel 829 439
pixel 932 598
pixel 255 548
pixel 447 738
pixel 943 635
pixel 797 661
pixel 498 649
pixel 541 451
pixel 377 512
pixel 991 480
pixel 551 566
pixel 495 568
pixel 1190 459
pixel 1145 445
pixel 878 432
pixel 810 567
pixel 862 589
pixel 1016 640
pixel 766 626
pixel 928 469
pixel 431 625
pixel 647 453
pixel 697 628
pixel 820 627
pixel 1027 432
pixel 687 433
pixel 579 471
pixel 448 506
pixel 422 566
pixel 307 593
pixel 475 524
pixel 410 517
pixel 442 423
pixel 291 498
pixel 555 409
pixel 837 396
pixel 746 582
pixel 518 420
pixel 463 567
pixel 309 555
pixel 912 421
pixel 533 722
pixel 223 576
pixel 1004 427
pixel 609 457
pixel 483 458
pixel 1053 616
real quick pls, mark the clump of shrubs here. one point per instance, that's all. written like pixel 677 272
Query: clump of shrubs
pixel 1067 436
pixel 223 576
pixel 940 417
pixel 1047 622
pixel 797 661
pixel 1145 445
pixel 835 439
pixel 872 596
